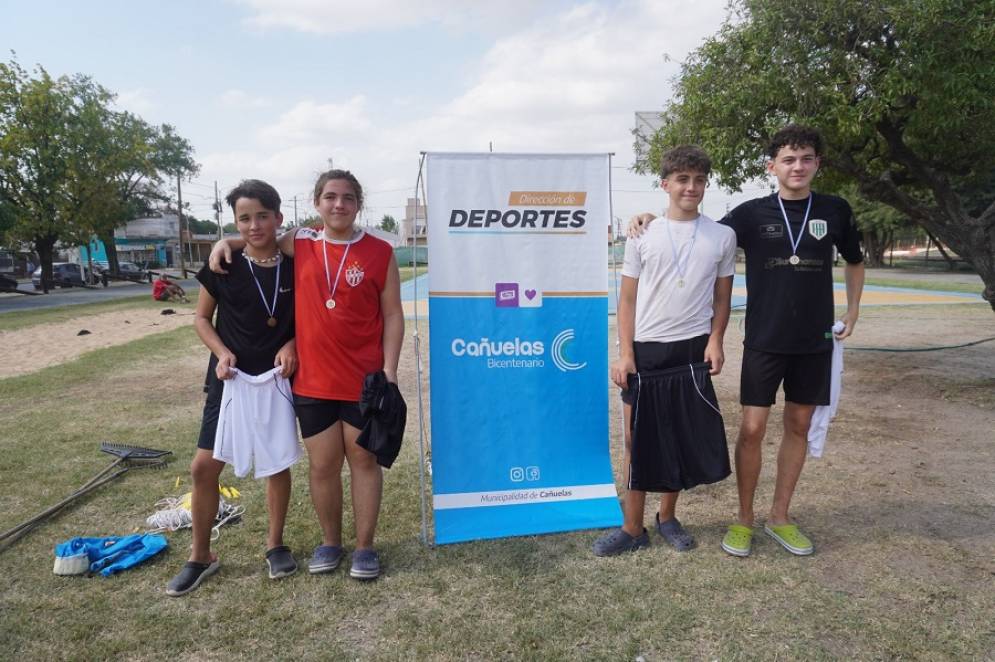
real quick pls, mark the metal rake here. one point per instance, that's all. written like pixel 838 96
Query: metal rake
pixel 127 457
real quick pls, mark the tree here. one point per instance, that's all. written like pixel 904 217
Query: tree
pixel 388 223
pixel 877 221
pixel 72 168
pixel 200 227
pixel 903 91
pixel 36 115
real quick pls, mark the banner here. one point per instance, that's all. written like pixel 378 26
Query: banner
pixel 518 321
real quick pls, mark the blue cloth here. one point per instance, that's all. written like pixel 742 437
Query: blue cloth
pixel 114 553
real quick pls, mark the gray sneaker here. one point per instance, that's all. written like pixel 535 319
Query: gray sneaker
pixel 325 558
pixel 618 541
pixel 365 564
pixel 674 533
pixel 281 562
pixel 190 577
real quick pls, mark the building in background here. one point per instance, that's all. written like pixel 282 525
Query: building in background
pixel 413 233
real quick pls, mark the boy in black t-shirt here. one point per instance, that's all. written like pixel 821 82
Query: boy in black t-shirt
pixel 254 330
pixel 788 240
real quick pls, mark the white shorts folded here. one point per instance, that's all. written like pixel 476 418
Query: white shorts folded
pixel 256 426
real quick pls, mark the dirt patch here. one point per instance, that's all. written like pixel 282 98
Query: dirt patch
pixel 42 345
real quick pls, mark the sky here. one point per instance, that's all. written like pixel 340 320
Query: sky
pixel 280 89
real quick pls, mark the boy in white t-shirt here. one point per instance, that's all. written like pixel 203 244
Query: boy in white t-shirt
pixel 673 310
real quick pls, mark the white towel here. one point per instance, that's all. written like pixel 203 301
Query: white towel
pixel 819 428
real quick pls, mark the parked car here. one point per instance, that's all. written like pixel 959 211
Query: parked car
pixel 126 269
pixel 65 274
pixel 131 270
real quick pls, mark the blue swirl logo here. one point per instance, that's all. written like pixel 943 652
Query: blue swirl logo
pixel 558 352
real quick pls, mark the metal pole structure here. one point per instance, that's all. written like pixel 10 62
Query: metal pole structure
pixel 295 211
pixel 416 339
pixel 179 212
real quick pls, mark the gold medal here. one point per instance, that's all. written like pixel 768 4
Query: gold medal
pixel 271 322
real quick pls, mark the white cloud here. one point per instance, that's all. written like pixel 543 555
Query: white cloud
pixel 310 121
pixel 568 83
pixel 235 98
pixel 138 101
pixel 338 16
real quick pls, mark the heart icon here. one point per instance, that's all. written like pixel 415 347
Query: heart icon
pixel 530 294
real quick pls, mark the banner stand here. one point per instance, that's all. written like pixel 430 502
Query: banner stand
pixel 421 202
pixel 416 339
pixel 519 354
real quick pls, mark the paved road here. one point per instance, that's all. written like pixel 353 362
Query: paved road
pixel 77 295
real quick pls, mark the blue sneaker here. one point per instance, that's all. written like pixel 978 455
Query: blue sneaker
pixel 365 564
pixel 324 559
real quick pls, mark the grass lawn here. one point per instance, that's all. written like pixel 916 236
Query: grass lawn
pixel 407 273
pixel 535 598
pixel 898 281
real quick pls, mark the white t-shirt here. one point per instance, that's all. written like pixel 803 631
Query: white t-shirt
pixel 666 312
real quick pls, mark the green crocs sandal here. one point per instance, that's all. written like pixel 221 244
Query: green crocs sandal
pixel 790 538
pixel 738 540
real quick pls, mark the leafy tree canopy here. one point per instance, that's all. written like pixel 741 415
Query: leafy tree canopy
pixel 388 223
pixel 903 91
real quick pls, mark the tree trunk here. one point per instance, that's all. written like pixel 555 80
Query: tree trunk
pixel 974 243
pixel 939 247
pixel 111 249
pixel 874 247
pixel 972 238
pixel 45 247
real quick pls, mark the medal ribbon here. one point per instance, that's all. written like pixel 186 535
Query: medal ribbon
pixel 791 237
pixel 328 276
pixel 276 287
pixel 681 270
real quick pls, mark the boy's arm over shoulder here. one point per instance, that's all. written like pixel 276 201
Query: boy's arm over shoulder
pixel 286 241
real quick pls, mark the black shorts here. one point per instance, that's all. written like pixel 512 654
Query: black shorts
pixel 214 388
pixel 678 438
pixel 806 378
pixel 316 415
pixel 663 355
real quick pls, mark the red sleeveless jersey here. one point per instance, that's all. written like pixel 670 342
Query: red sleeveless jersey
pixel 337 347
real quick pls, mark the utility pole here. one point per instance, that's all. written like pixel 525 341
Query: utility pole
pixel 295 211
pixel 217 210
pixel 179 211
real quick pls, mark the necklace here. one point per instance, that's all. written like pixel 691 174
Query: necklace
pixel 794 259
pixel 263 260
pixel 681 268
pixel 271 309
pixel 332 287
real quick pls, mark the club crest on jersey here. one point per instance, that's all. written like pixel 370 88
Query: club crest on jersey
pixel 354 274
pixel 818 228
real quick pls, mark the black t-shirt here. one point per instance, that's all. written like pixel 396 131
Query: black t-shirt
pixel 241 315
pixel 789 308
